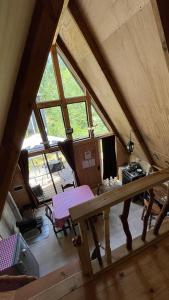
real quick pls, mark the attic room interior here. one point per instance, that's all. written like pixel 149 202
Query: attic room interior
pixel 84 185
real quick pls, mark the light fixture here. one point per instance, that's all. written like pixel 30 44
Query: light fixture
pixel 130 145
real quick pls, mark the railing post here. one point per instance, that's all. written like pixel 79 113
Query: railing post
pixel 124 220
pixel 96 253
pixel 162 215
pixel 148 212
pixel 107 236
pixel 81 242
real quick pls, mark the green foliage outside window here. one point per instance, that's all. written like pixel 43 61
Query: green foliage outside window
pixel 78 120
pixel 99 127
pixel 70 86
pixel 52 117
pixel 48 87
pixel 53 121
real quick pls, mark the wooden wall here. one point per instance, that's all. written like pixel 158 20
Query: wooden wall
pixel 127 34
pixel 15 17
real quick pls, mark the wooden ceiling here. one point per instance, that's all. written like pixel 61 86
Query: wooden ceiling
pixel 15 18
pixel 127 34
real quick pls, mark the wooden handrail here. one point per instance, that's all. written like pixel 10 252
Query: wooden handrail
pixel 111 198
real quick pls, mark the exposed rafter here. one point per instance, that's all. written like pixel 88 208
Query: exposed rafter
pixel 93 45
pixel 79 73
pixel 162 20
pixel 42 29
pixel 164 15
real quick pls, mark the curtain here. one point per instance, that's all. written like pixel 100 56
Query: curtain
pixel 66 148
pixel 109 157
pixel 24 166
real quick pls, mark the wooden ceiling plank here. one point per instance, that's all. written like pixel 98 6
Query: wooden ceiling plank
pixel 93 45
pixel 46 15
pixel 84 81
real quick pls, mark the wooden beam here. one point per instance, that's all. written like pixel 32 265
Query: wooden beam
pixel 60 89
pixel 160 10
pixel 47 104
pixel 164 15
pixel 54 103
pixel 42 29
pixel 111 198
pixel 41 126
pixel 95 48
pixel 89 113
pixel 84 81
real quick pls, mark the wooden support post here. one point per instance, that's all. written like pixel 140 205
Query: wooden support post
pixel 96 242
pixel 89 110
pixel 39 39
pixel 83 249
pixel 125 224
pixel 147 215
pixel 162 215
pixel 61 90
pixel 107 236
pixel 41 126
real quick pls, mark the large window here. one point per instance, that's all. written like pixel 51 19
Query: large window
pixel 78 120
pixel 33 140
pixel 48 168
pixel 48 88
pixel 54 125
pixel 70 86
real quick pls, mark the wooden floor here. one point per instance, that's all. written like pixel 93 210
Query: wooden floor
pixel 142 277
pixel 53 253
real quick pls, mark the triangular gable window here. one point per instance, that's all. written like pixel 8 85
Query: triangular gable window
pixel 70 85
pixel 48 87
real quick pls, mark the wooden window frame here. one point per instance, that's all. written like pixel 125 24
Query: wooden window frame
pixel 63 102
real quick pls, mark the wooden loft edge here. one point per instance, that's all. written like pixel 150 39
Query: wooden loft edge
pixel 93 45
pixel 84 81
pixel 111 198
pixel 41 32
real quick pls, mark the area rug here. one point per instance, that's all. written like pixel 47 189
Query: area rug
pixel 33 236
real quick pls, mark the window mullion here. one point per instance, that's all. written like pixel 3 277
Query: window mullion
pixel 41 126
pixel 89 114
pixel 61 92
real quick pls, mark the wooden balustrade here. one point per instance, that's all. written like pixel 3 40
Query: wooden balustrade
pixel 148 212
pixel 107 235
pixel 103 203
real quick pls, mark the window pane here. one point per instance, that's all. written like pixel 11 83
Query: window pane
pixel 48 87
pixel 99 127
pixel 70 86
pixel 32 140
pixel 40 179
pixel 53 121
pixel 78 120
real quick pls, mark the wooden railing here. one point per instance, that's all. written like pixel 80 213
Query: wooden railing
pixel 87 211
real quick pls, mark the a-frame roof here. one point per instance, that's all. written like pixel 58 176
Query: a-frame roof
pixel 118 48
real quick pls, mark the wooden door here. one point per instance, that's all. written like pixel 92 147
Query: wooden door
pixel 87 159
